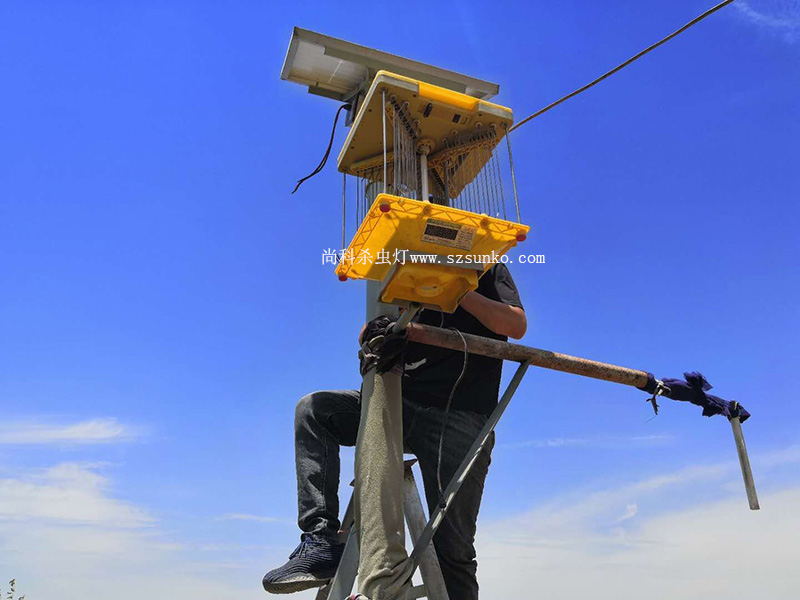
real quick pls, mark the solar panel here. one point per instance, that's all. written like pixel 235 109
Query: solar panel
pixel 338 69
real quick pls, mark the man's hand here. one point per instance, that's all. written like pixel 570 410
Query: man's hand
pixel 496 316
pixel 390 353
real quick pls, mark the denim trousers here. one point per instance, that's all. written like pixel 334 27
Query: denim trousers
pixel 327 420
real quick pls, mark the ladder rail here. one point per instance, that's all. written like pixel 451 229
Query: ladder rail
pixel 342 583
pixel 452 488
pixel 430 570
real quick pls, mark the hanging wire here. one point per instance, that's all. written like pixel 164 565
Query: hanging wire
pixel 498 180
pixel 675 33
pixel 405 132
pixel 513 176
pixel 467 172
pixel 344 209
pixel 327 151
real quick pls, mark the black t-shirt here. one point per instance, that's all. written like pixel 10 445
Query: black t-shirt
pixel 431 372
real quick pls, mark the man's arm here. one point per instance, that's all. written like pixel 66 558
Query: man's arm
pixel 500 318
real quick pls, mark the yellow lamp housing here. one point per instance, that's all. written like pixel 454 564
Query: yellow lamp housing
pixel 424 252
pixel 430 200
pixel 437 116
pixel 440 288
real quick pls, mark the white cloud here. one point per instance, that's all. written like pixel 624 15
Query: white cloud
pixel 246 517
pixel 593 442
pixel 630 512
pixel 777 16
pixel 681 544
pixel 64 534
pixel 713 551
pixel 94 431
pixel 68 493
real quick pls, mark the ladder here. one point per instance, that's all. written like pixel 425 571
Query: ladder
pixel 432 586
pixel 421 532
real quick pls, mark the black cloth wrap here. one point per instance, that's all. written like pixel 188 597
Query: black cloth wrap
pixel 692 388
pixel 391 350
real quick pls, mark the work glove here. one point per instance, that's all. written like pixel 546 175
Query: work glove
pixel 381 347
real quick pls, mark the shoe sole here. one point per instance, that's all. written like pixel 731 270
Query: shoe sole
pixel 296 584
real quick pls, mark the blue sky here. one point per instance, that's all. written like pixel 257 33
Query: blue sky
pixel 160 288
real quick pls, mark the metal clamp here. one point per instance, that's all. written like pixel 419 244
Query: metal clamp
pixel 661 390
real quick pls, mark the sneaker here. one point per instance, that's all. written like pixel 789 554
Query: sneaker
pixel 312 564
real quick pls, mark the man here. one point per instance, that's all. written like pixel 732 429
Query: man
pixel 326 420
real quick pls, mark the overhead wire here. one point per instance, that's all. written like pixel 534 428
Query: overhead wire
pixel 619 67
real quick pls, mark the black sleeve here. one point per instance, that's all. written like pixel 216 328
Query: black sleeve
pixel 501 286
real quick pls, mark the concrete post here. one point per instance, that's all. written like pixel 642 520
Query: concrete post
pixel 384 566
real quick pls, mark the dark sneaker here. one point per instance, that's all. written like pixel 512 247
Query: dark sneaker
pixel 312 564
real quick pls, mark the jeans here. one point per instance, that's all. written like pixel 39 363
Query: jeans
pixel 326 420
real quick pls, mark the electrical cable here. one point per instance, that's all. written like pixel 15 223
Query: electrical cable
pixel 694 21
pixel 447 411
pixel 327 152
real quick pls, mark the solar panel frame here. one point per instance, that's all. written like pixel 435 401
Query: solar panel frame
pixel 339 69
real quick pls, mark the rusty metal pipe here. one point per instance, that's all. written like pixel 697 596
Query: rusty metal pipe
pixel 444 338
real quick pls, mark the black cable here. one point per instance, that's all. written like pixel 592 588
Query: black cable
pixel 327 152
pixel 694 21
pixel 447 412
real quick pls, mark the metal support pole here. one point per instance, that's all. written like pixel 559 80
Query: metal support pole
pixel 405 318
pixel 744 460
pixel 423 173
pixel 385 153
pixel 374 307
pixel 446 183
pixel 379 459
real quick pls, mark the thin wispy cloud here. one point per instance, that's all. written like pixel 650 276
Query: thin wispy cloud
pixel 780 17
pixel 590 442
pixel 63 526
pixel 570 517
pixel 709 551
pixel 93 431
pixel 681 534
pixel 630 512
pixel 247 517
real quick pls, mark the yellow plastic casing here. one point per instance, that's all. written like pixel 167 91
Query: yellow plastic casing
pixel 465 243
pixel 441 287
pixel 437 111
